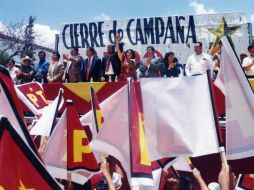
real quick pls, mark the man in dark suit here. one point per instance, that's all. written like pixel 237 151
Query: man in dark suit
pixel 151 65
pixel 91 67
pixel 111 65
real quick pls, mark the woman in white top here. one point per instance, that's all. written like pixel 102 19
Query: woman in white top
pixel 12 70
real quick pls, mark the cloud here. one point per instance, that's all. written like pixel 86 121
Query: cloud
pixel 102 16
pixel 200 8
pixel 44 35
pixel 252 18
pixel 2 27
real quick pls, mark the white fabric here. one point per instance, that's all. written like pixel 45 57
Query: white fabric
pixel 246 62
pixel 181 164
pixel 178 117
pixel 113 137
pixel 110 70
pixel 7 111
pixel 13 74
pixel 239 107
pixel 44 124
pixel 198 64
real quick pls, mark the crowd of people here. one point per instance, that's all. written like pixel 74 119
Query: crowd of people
pixel 118 65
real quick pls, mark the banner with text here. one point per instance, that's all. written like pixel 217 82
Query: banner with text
pixel 171 33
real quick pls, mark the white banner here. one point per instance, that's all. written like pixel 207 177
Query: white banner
pixel 172 33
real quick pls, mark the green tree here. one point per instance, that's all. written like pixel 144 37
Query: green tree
pixel 28 48
pixel 4 57
pixel 17 39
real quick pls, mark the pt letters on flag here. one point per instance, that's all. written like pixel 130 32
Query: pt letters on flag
pixel 32 96
pixel 68 149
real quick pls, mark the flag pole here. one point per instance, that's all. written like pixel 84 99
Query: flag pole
pixel 69 185
pixel 69 102
pixel 217 124
pixel 60 94
pixel 92 93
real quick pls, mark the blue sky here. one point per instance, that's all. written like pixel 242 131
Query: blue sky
pixel 52 13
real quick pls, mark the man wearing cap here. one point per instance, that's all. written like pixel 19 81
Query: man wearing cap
pixel 198 63
pixel 248 62
pixel 40 69
pixel 111 65
pixel 25 72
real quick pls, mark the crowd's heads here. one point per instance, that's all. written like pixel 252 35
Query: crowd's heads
pixel 26 60
pixel 10 63
pixel 250 47
pixel 170 57
pixel 111 49
pixel 185 183
pixel 74 51
pixel 242 56
pixel 130 54
pixel 42 55
pixel 251 50
pixel 150 50
pixel 198 48
pixel 181 183
pixel 90 51
pixel 56 55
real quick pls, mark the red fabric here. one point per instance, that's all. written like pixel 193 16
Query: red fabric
pixel 73 124
pixel 88 68
pixel 247 181
pixel 20 169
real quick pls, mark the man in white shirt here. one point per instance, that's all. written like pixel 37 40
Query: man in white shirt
pixel 248 62
pixel 198 63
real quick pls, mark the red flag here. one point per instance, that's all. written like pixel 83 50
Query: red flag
pixel 122 136
pixel 20 168
pixel 33 96
pixel 68 149
pixel 79 152
pixel 246 181
pixel 98 118
pixel 12 109
pixel 141 168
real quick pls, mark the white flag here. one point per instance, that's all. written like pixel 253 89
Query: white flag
pixel 239 106
pixel 179 118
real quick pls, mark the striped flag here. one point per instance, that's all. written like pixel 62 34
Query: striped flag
pixel 97 113
pixel 122 136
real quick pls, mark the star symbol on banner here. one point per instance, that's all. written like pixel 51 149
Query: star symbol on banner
pixel 222 30
pixel 31 89
pixel 22 186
